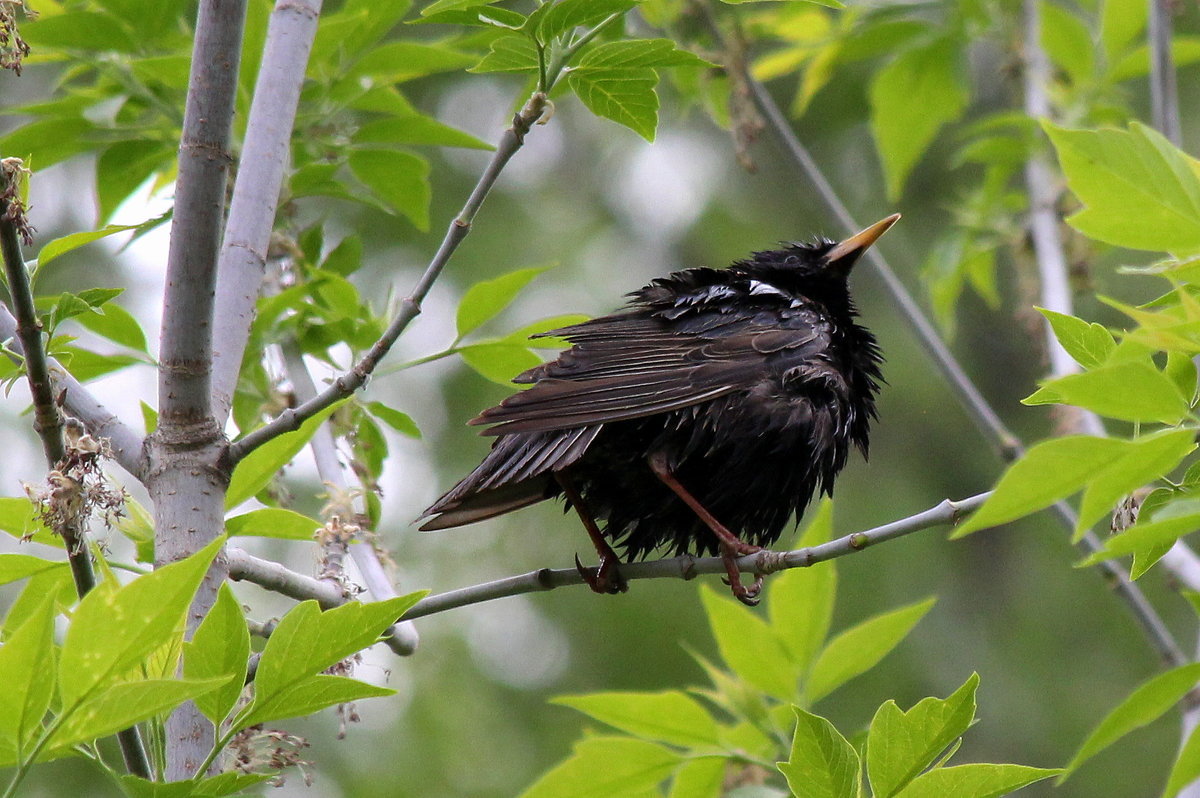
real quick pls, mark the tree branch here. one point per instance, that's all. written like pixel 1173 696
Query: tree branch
pixel 127 445
pixel 410 307
pixel 187 478
pixel 265 156
pixel 1164 97
pixel 245 567
pixel 688 567
pixel 204 160
pixel 49 427
pixel 324 451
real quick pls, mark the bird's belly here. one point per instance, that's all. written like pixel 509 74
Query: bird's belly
pixel 751 463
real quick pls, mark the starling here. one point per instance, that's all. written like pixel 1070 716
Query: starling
pixel 698 419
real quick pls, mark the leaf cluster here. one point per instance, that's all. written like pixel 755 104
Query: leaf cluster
pixel 757 710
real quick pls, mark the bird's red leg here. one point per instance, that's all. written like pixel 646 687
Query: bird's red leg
pixel 607 577
pixel 732 546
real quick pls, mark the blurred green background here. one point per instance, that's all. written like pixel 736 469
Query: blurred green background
pixel 1054 648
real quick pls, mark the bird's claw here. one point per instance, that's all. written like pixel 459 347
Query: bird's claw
pixel 604 579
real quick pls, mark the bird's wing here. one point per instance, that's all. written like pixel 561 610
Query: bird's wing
pixel 629 366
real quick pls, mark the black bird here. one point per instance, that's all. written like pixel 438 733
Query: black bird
pixel 699 419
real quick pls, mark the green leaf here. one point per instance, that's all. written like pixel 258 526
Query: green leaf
pixel 1138 190
pixel 115 628
pixel 1144 460
pixel 499 362
pixel 699 777
pixel 20 566
pixel 624 95
pixel 81 30
pixel 452 5
pixel 1144 705
pixel 49 141
pixel 228 783
pixel 27 666
pixel 800 602
pixel 902 744
pixel 749 646
pixel 399 61
pixel 1068 42
pixel 1089 344
pixel 1131 391
pixel 1146 536
pixel 974 781
pixel 1186 768
pixel 124 166
pixel 861 647
pixel 1049 471
pixel 601 767
pixel 911 98
pixel 219 648
pixel 63 245
pixel 822 763
pixel 416 129
pixel 255 471
pixel 640 53
pixel 308 641
pixel 486 299
pixel 399 179
pixel 401 422
pixel 17 518
pixel 479 16
pixel 569 14
pixel 117 325
pixel 1121 21
pixel 668 717
pixel 308 695
pixel 509 54
pixel 122 705
pixel 86 365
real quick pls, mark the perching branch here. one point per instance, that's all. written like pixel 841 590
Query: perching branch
pixel 264 159
pixel 245 567
pixel 49 427
pixel 403 637
pixel 972 400
pixel 351 381
pixel 688 567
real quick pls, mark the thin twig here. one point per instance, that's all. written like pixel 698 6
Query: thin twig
pixel 271 575
pixel 378 585
pixel 49 427
pixel 261 168
pixel 688 567
pixel 410 307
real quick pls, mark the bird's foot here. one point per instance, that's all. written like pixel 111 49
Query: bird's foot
pixel 606 578
pixel 744 594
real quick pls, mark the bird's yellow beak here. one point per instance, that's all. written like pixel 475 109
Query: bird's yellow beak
pixel 848 251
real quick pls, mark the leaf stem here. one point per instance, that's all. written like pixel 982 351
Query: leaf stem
pixel 560 58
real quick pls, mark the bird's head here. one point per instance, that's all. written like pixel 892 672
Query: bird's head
pixel 806 267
